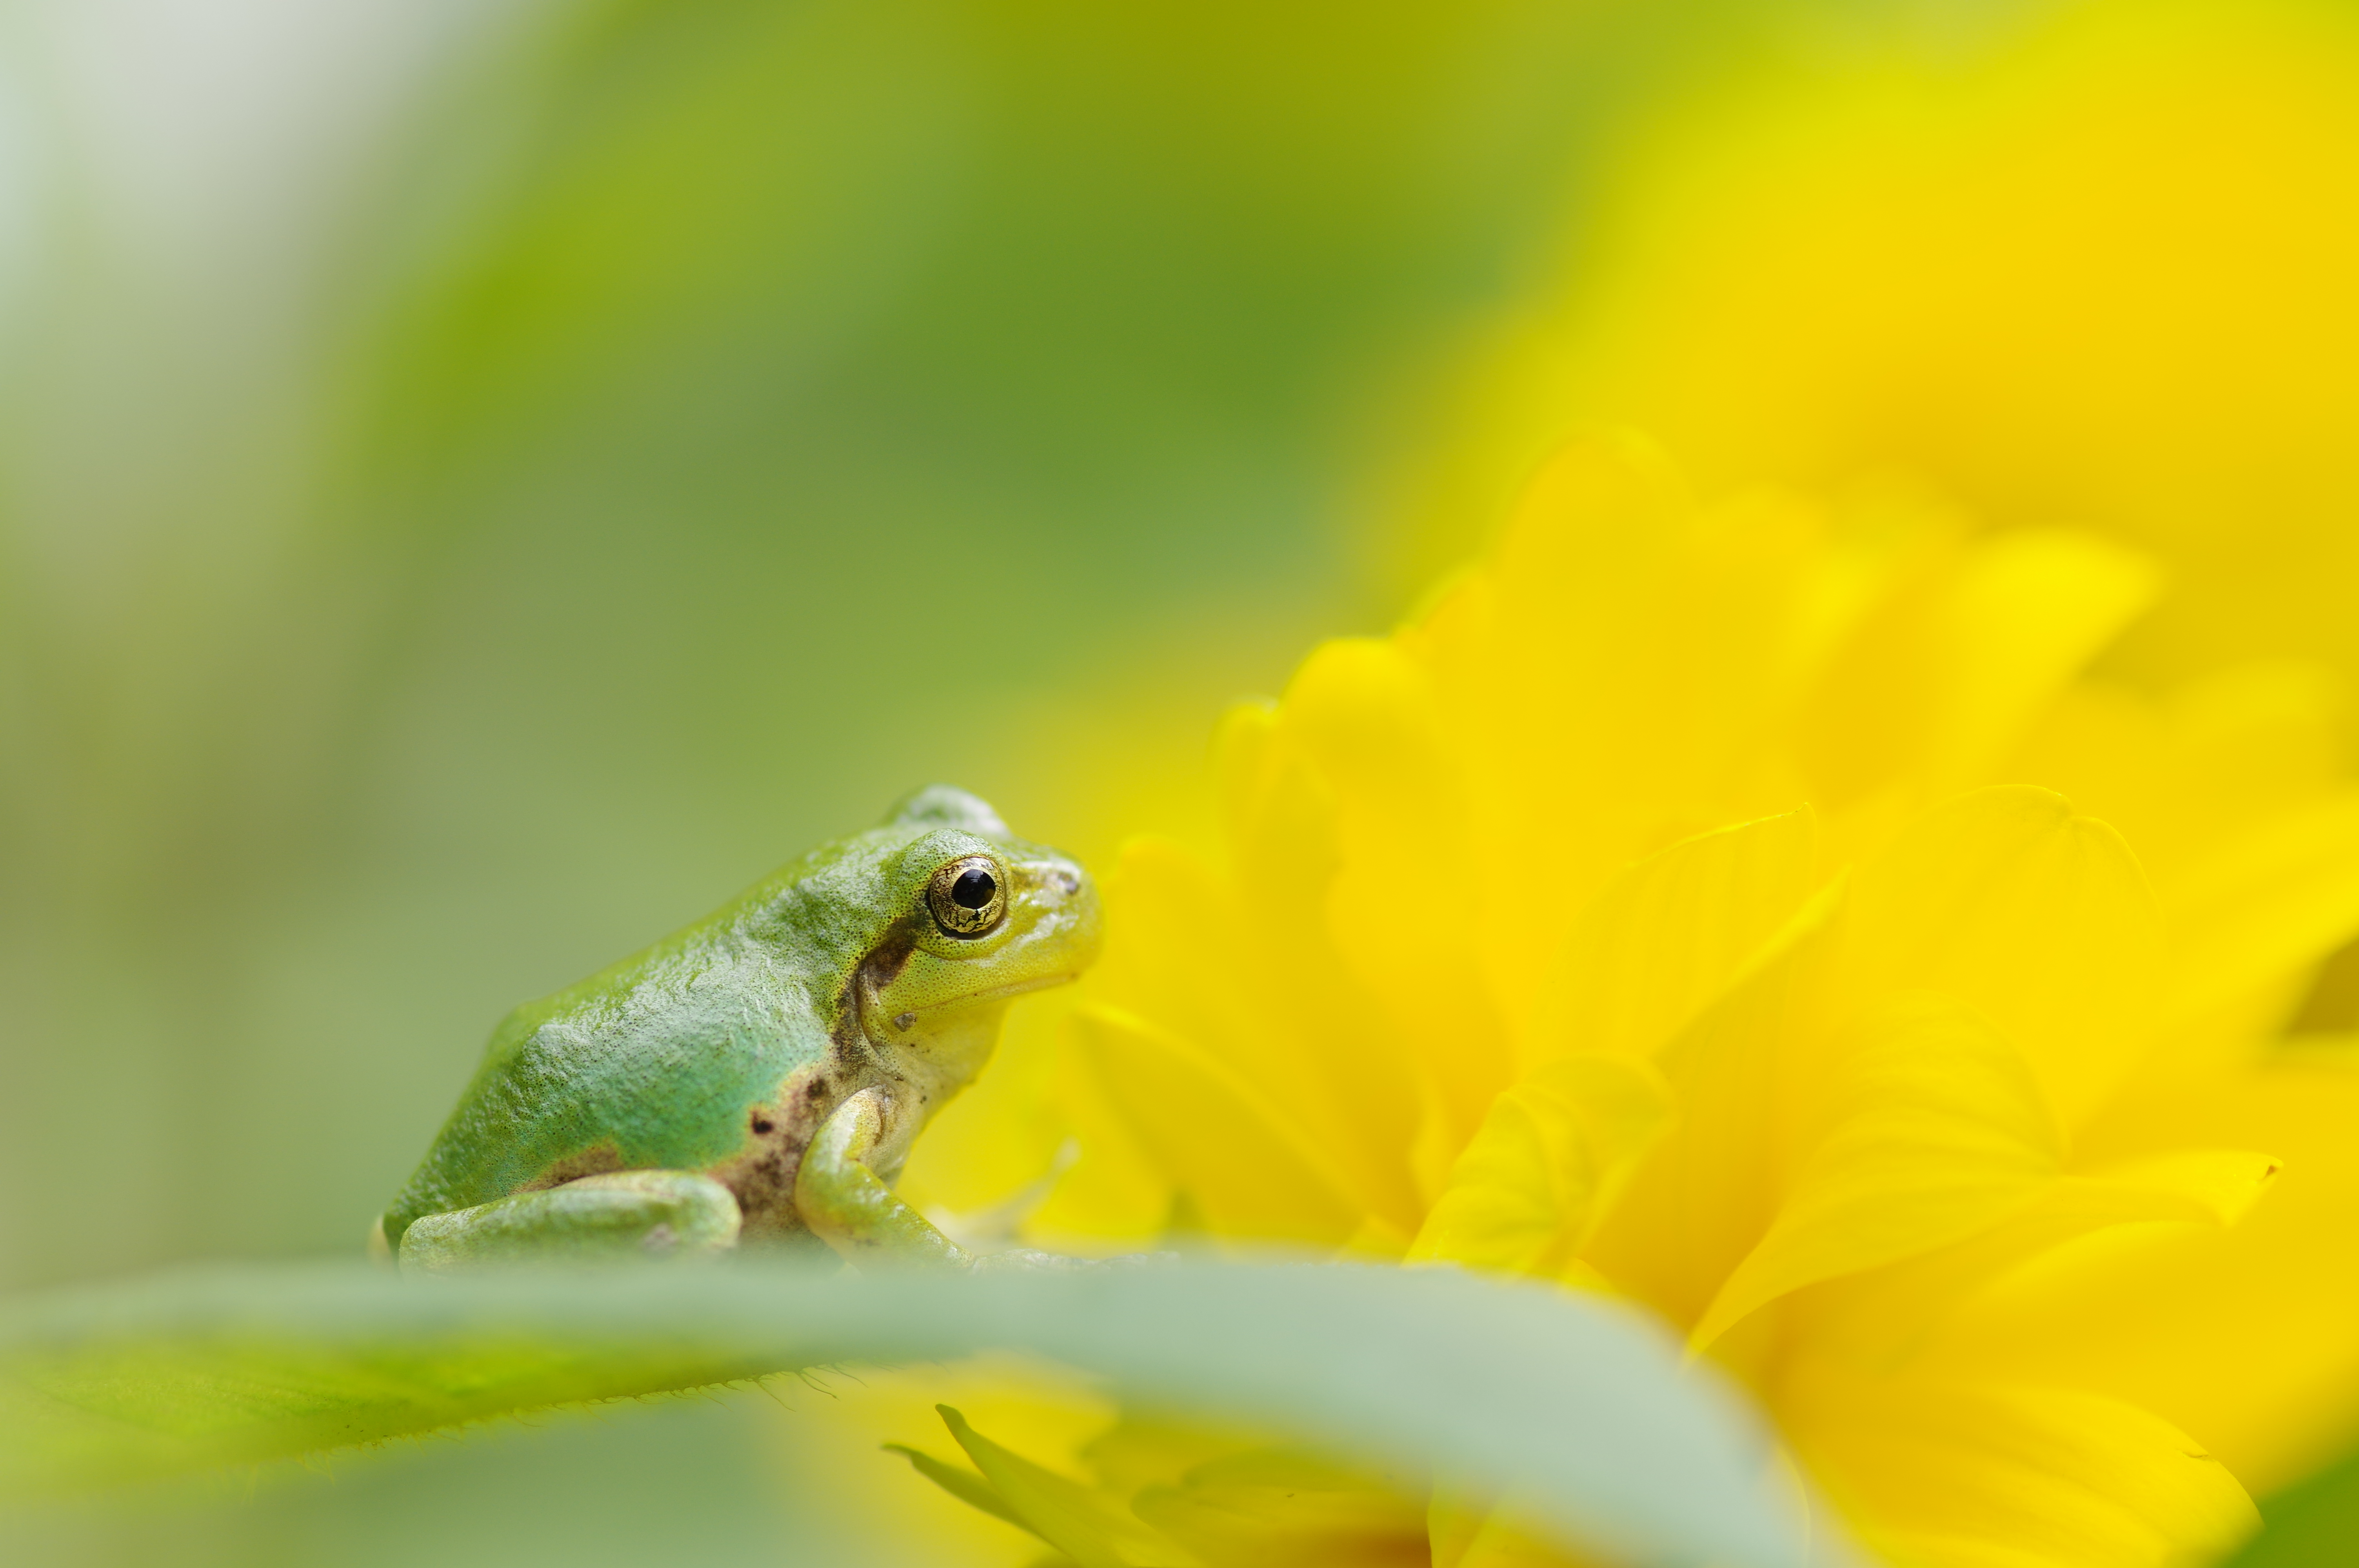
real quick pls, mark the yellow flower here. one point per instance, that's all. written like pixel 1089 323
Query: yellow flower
pixel 1675 908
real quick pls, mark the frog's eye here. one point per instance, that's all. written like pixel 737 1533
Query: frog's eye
pixel 968 897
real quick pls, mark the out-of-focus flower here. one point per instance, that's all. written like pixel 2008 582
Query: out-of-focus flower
pixel 1671 909
pixel 2084 262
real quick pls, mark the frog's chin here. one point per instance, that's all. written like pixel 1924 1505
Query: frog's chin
pixel 885 1024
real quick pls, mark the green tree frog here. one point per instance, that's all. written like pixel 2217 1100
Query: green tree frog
pixel 760 1074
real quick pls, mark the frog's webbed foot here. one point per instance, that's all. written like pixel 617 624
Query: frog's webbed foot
pixel 619 1216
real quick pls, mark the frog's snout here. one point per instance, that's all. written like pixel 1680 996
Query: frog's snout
pixel 1065 904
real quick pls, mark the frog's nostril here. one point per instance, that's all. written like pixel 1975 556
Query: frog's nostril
pixel 1067 883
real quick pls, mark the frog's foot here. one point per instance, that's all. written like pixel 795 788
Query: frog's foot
pixel 619 1215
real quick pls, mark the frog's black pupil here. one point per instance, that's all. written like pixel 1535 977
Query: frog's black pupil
pixel 972 890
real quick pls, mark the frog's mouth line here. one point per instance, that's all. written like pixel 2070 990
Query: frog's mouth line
pixel 906 1018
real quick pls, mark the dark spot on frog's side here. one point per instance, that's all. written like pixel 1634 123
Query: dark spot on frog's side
pixel 761 1174
pixel 808 1098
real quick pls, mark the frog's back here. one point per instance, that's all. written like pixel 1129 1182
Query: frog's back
pixel 681 1058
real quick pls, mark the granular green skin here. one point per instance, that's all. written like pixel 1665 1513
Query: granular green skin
pixel 722 1049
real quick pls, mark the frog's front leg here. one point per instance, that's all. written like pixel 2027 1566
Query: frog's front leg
pixel 847 1204
pixel 624 1214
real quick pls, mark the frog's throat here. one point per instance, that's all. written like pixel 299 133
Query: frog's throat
pixel 883 1028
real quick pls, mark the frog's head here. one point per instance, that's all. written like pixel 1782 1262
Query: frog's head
pixel 981 916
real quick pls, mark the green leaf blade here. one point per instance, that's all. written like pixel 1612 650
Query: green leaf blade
pixel 1582 1411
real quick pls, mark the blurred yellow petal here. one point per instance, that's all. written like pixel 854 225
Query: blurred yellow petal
pixel 2083 262
pixel 1701 1197
pixel 1547 676
pixel 1302 1030
pixel 1936 1131
pixel 1980 1302
pixel 1112 1191
pixel 2203 1186
pixel 1969 1476
pixel 2253 740
pixel 2030 608
pixel 2265 903
pixel 1550 1156
pixel 1668 934
pixel 1227 1146
pixel 1578 571
pixel 2243 1334
pixel 2038 919
pixel 1165 898
pixel 1966 642
pixel 1401 910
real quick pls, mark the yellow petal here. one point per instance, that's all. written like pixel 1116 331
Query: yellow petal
pixel 1243 763
pixel 2028 609
pixel 1555 684
pixel 1970 640
pixel 2253 740
pixel 1597 510
pixel 1668 934
pixel 1167 911
pixel 1702 1198
pixel 2247 1333
pixel 1362 710
pixel 1549 1158
pixel 1242 973
pixel 1962 1476
pixel 2039 920
pixel 2272 899
pixel 2199 1186
pixel 998 1141
pixel 1214 1134
pixel 1403 908
pixel 1936 1131
pixel 1112 1193
pixel 1991 1300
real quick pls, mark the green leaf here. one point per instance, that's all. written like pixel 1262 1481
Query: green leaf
pixel 2311 1524
pixel 965 1485
pixel 1580 1409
